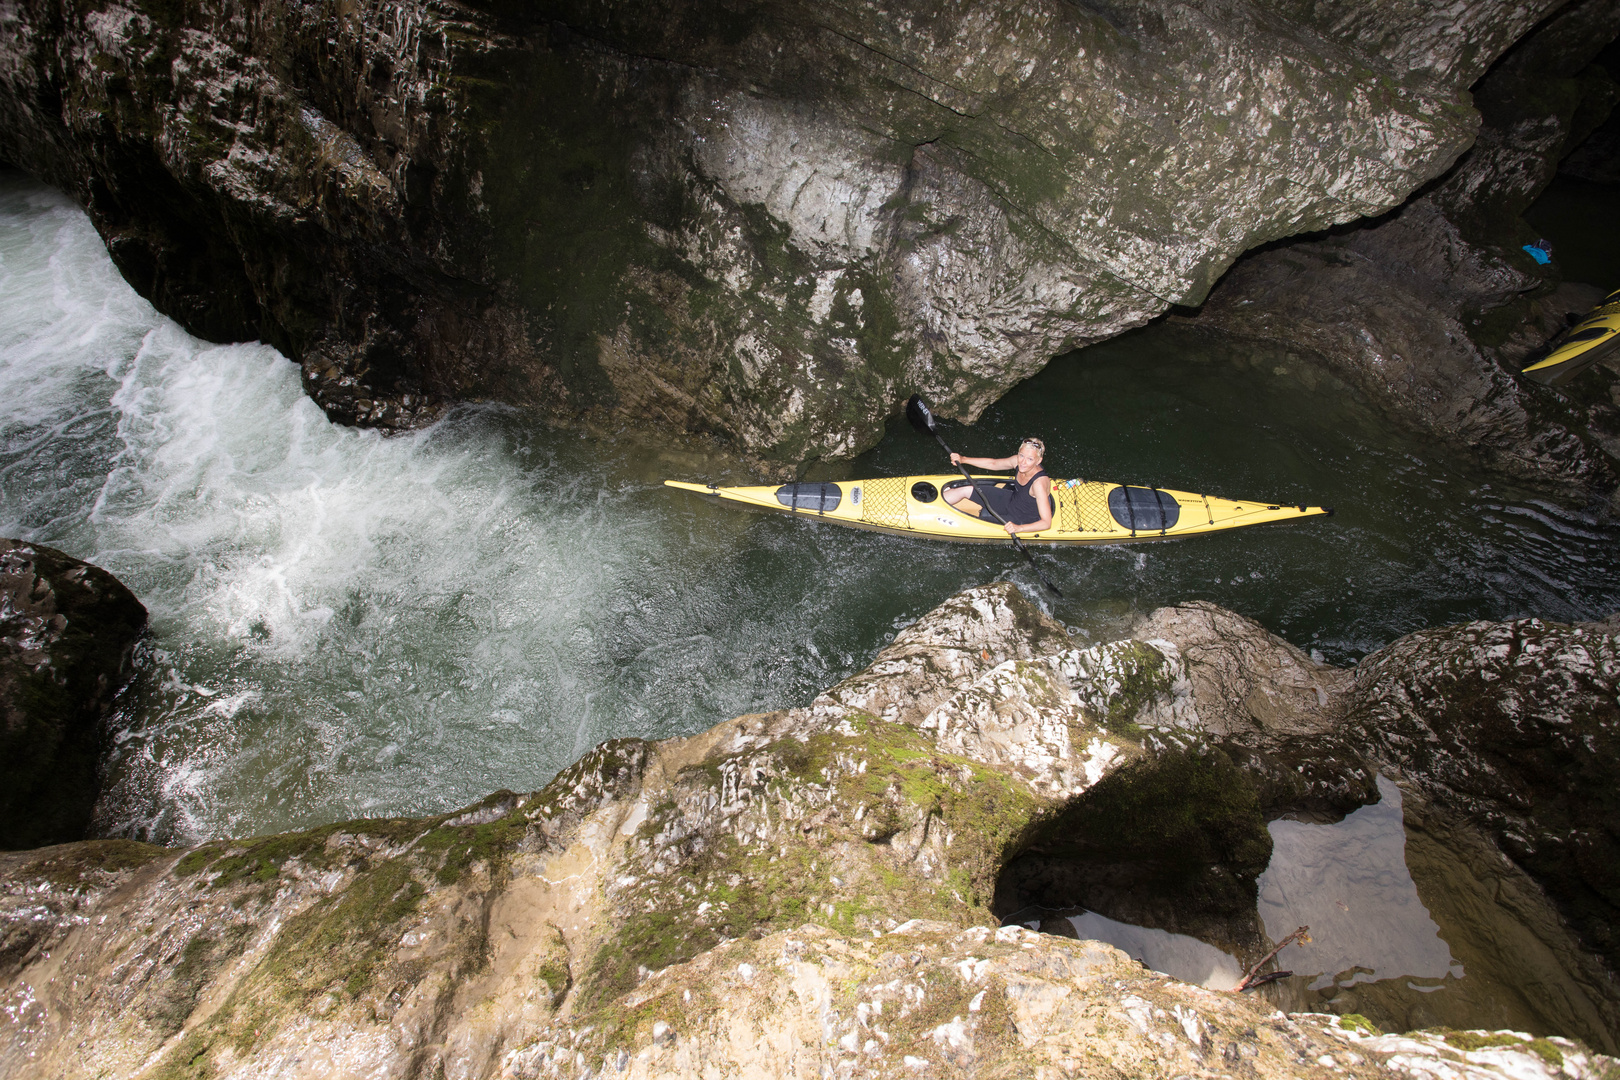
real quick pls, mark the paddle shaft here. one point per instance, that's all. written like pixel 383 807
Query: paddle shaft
pixel 986 504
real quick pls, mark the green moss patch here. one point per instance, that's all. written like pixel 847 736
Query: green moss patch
pixel 828 794
pixel 1484 1040
pixel 261 859
pixel 343 947
pixel 606 771
pixel 201 959
pixel 196 859
pixel 558 980
pixel 453 848
pixel 1124 678
pixel 75 866
pixel 187 1061
pixel 333 947
pixel 340 941
pixel 462 847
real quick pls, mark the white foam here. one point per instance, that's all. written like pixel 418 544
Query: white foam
pixel 347 623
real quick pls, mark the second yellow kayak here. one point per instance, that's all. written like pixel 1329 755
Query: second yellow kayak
pixel 1588 341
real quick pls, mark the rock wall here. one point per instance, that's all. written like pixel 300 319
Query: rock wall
pixel 766 221
pixel 67 635
pixel 1511 726
pixel 786 894
pixel 1499 735
pixel 1596 158
pixel 1431 311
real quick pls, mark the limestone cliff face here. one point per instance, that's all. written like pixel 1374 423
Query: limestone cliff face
pixel 797 893
pixel 769 221
pixel 1432 310
pixel 67 635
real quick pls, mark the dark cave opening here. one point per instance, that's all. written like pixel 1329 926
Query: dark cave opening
pixel 1174 842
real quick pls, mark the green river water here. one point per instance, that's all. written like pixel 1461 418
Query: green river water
pixel 347 624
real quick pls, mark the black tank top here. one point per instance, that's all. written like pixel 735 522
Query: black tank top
pixel 1023 509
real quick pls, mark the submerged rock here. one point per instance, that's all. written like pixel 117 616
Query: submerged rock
pixel 67 635
pixel 768 221
pixel 787 893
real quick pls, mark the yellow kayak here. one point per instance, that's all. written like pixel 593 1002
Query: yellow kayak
pixel 1088 512
pixel 1587 342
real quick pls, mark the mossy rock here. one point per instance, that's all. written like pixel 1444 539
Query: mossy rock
pixel 1468 1041
pixel 868 781
pixel 88 865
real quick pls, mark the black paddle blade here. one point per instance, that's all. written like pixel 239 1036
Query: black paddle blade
pixel 917 412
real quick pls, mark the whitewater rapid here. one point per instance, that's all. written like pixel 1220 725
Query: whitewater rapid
pixel 344 623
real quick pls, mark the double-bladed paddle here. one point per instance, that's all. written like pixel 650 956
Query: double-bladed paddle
pixel 922 418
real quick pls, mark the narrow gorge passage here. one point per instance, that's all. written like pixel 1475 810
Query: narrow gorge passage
pixel 348 624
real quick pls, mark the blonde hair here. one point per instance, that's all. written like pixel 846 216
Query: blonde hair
pixel 1040 447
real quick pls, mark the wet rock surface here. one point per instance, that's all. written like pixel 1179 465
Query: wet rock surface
pixel 784 894
pixel 767 222
pixel 1429 312
pixel 1499 734
pixel 67 636
pixel 1514 727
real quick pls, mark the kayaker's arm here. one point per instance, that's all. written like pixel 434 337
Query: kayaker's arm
pixel 1042 490
pixel 995 463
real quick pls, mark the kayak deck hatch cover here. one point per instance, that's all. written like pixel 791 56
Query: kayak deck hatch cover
pixel 1087 512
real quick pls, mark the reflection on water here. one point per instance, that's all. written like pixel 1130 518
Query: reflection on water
pixel 1177 955
pixel 1349 883
pixel 1397 895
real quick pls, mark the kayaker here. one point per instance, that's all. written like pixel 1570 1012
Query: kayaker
pixel 1024 503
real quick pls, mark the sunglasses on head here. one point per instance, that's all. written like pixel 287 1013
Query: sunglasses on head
pixel 1040 447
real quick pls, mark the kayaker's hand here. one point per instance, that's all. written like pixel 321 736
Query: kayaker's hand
pixel 956 459
pixel 1012 530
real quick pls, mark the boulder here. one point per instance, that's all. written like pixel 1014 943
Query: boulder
pixel 67 636
pixel 1514 727
pixel 1501 736
pixel 1430 311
